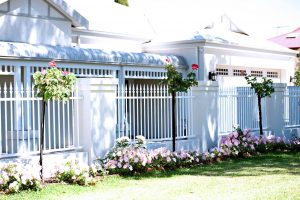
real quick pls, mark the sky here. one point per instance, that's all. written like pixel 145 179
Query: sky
pixel 258 18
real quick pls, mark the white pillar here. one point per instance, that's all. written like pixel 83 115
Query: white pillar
pixel 205 114
pixel 275 110
pixel 97 115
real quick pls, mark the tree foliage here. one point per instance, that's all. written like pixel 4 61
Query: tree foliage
pixel 262 89
pixel 176 82
pixel 52 84
pixel 297 76
pixel 122 2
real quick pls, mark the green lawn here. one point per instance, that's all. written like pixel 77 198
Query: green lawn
pixel 269 176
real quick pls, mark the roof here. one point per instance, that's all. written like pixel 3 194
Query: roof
pixel 75 54
pixel 224 22
pixel 110 17
pixel 223 36
pixel 77 19
pixel 290 40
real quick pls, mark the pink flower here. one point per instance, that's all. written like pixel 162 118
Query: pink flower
pixel 136 160
pixel 120 165
pixel 65 73
pixel 168 60
pixel 235 134
pixel 44 72
pixel 52 63
pixel 195 67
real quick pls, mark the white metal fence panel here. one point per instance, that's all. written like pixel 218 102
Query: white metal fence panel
pixel 292 106
pixel 238 105
pixel 20 120
pixel 146 110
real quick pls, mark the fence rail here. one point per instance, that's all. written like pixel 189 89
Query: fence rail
pixel 20 119
pixel 146 110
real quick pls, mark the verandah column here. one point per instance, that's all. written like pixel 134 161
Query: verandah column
pixel 97 115
pixel 205 114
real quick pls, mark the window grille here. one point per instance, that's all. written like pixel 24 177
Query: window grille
pixel 222 71
pixel 256 73
pixel 272 74
pixel 239 72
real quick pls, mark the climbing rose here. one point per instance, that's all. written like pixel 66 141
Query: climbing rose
pixel 195 67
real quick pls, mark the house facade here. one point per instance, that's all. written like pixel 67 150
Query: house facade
pixel 127 67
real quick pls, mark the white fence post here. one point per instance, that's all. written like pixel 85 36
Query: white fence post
pixel 97 115
pixel 205 114
pixel 275 110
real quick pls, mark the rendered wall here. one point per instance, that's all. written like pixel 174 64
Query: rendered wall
pixel 35 23
pixel 208 56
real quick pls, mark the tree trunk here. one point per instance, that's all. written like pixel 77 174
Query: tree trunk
pixel 174 121
pixel 260 117
pixel 42 140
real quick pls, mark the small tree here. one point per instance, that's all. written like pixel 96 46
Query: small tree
pixel 177 83
pixel 122 2
pixel 297 76
pixel 262 89
pixel 52 84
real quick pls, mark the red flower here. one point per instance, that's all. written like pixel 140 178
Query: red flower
pixel 52 64
pixel 168 60
pixel 195 67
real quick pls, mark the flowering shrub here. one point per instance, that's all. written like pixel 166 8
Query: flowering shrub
pixel 162 159
pixel 127 159
pixel 15 177
pixel 135 158
pixel 74 172
pixel 238 143
pixel 295 144
pixel 270 143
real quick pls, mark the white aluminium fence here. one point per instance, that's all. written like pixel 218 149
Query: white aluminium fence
pixel 146 110
pixel 20 122
pixel 238 105
pixel 292 106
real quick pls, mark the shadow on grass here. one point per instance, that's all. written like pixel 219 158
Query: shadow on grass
pixel 266 164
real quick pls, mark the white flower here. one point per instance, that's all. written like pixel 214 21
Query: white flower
pixel 119 153
pixel 130 168
pixel 141 139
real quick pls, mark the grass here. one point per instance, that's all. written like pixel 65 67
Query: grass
pixel 269 176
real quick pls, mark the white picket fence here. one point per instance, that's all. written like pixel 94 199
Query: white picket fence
pixel 146 110
pixel 20 120
pixel 238 105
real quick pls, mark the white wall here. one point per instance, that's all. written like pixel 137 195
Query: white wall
pixel 209 55
pixel 33 23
